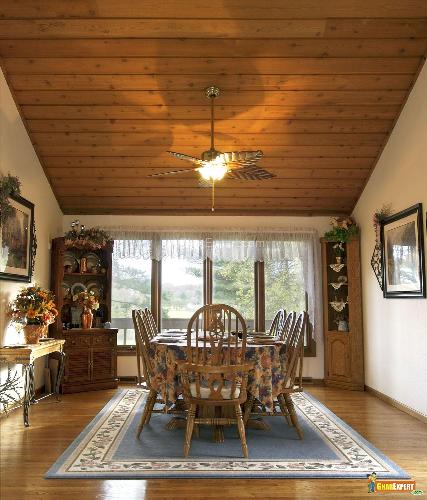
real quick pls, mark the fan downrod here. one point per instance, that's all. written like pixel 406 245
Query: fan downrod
pixel 212 92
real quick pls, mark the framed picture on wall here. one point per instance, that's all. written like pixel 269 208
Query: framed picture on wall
pixel 18 242
pixel 402 242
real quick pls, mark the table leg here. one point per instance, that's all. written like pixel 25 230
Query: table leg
pixel 60 375
pixel 28 391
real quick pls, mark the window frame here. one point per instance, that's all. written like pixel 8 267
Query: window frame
pixel 259 295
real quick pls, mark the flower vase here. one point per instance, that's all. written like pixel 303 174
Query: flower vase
pixel 86 318
pixel 32 333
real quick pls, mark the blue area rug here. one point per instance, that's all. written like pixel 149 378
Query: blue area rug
pixel 108 448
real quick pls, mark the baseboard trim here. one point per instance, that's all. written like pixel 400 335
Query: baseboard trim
pixel 400 406
pixel 313 381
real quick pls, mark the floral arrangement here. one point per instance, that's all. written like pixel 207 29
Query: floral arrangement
pixel 86 239
pixel 343 228
pixel 35 306
pixel 9 185
pixel 87 300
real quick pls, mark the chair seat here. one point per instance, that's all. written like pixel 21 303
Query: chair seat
pixel 205 391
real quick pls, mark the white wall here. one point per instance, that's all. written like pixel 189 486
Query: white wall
pixel 18 158
pixel 396 329
pixel 313 367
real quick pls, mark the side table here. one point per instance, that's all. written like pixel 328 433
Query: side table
pixel 25 356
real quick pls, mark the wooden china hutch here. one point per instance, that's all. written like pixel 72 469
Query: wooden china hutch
pixel 342 314
pixel 91 354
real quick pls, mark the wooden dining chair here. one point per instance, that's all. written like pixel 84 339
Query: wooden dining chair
pixel 140 363
pixel 291 353
pixel 288 326
pixel 215 373
pixel 152 329
pixel 277 324
pixel 142 341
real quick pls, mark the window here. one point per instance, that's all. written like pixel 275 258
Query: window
pixel 256 276
pixel 131 289
pixel 233 284
pixel 284 287
pixel 182 291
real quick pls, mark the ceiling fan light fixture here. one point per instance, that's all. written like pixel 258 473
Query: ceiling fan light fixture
pixel 213 170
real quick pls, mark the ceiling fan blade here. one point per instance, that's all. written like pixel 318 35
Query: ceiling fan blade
pixel 182 156
pixel 173 172
pixel 241 157
pixel 250 173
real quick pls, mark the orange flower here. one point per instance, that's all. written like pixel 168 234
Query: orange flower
pixel 31 314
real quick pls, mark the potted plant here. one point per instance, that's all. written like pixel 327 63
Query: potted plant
pixel 343 228
pixel 89 302
pixel 34 307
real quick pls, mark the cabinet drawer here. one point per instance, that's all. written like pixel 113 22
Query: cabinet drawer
pixel 105 340
pixel 77 340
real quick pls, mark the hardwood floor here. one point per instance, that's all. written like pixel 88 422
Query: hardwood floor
pixel 26 454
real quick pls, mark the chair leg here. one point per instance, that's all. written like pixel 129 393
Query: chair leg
pixel 189 430
pixel 284 409
pixel 291 409
pixel 248 408
pixel 241 428
pixel 146 414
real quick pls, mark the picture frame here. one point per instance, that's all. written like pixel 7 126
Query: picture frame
pixel 18 242
pixel 403 260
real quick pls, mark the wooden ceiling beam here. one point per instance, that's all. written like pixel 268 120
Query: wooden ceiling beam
pixel 202 202
pixel 189 47
pixel 174 140
pixel 197 98
pixel 134 164
pixel 142 181
pixel 217 67
pixel 120 176
pixel 200 9
pixel 232 84
pixel 197 192
pixel 149 151
pixel 223 126
pixel 214 28
pixel 373 112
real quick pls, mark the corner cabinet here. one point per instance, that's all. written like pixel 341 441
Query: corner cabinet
pixel 342 314
pixel 91 354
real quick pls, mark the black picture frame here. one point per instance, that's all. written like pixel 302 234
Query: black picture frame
pixel 18 243
pixel 403 276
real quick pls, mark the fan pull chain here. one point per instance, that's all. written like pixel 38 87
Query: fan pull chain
pixel 213 196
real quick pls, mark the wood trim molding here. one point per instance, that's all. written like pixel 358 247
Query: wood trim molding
pixel 259 284
pixel 156 291
pixel 400 406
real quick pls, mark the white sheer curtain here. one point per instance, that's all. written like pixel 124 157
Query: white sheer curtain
pixel 233 245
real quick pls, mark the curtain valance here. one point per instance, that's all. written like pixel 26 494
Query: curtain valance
pixel 222 245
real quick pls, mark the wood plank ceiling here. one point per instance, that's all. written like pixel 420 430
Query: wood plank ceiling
pixel 105 87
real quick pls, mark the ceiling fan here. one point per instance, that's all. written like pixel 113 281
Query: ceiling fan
pixel 215 165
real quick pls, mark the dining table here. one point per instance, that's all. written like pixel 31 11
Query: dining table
pixel 265 380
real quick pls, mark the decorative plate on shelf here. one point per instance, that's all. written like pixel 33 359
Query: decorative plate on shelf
pixel 93 262
pixel 342 279
pixel 77 288
pixel 94 287
pixel 71 261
